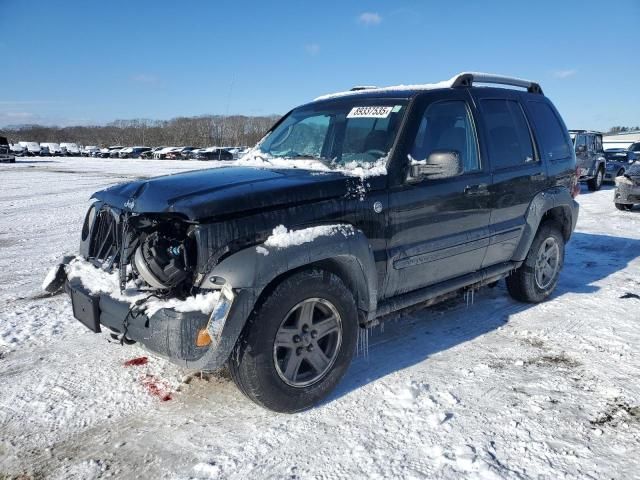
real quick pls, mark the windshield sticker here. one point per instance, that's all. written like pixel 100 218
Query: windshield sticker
pixel 370 112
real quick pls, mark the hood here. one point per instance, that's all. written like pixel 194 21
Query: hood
pixel 217 192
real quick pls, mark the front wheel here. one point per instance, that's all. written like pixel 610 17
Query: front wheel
pixel 298 343
pixel 538 276
pixel 596 182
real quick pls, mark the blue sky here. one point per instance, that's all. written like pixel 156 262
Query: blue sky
pixel 79 62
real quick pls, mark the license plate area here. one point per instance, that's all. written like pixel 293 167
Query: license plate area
pixel 86 309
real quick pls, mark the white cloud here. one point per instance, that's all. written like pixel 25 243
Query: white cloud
pixel 312 48
pixel 564 73
pixel 144 78
pixel 369 18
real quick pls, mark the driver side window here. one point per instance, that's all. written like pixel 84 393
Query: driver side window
pixel 447 126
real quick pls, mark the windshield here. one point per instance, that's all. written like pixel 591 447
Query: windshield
pixel 355 130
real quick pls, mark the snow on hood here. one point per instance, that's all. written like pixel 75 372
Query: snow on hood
pixel 99 281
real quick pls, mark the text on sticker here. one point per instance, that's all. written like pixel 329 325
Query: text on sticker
pixel 370 112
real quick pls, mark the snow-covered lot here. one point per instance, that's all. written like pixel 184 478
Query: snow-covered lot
pixel 496 389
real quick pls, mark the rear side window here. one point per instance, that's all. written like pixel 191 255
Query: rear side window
pixel 509 137
pixel 550 132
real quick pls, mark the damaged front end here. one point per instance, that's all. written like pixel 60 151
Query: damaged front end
pixel 627 190
pixel 137 276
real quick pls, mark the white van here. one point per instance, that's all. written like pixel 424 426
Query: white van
pixel 72 148
pixel 33 148
pixel 54 149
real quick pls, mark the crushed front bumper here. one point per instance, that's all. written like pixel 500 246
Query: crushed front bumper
pixel 167 332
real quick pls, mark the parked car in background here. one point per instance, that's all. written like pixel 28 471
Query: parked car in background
pixel 162 153
pixel 18 150
pixel 72 148
pixel 618 160
pixel 133 152
pixel 590 159
pixel 90 151
pixel 115 153
pixel 6 156
pixel 179 153
pixel 33 149
pixel 106 152
pixel 214 153
pixel 149 153
pixel 627 192
pixel 54 149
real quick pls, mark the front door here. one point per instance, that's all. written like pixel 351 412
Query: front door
pixel 438 227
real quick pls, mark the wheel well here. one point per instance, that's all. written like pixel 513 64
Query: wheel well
pixel 562 216
pixel 345 267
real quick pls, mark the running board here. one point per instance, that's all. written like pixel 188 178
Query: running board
pixel 434 293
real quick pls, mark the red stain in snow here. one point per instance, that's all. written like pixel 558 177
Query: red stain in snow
pixel 134 362
pixel 156 387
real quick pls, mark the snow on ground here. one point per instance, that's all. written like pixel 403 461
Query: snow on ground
pixel 496 389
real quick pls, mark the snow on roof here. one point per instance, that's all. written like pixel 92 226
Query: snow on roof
pixel 425 86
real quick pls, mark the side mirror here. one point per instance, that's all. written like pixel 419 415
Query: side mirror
pixel 440 164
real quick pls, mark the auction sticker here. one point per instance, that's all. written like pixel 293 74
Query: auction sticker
pixel 370 112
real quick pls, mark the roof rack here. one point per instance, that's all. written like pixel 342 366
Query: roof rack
pixel 467 79
pixel 357 88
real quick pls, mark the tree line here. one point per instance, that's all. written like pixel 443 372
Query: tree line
pixel 201 131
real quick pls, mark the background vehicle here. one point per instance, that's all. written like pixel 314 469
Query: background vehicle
pixel 590 157
pixel 295 261
pixel 54 149
pixel 18 150
pixel 162 153
pixel 6 156
pixel 150 153
pixel 179 153
pixel 106 152
pixel 134 152
pixel 72 149
pixel 214 153
pixel 90 151
pixel 627 192
pixel 618 160
pixel 33 148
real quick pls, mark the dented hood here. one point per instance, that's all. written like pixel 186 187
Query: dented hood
pixel 216 192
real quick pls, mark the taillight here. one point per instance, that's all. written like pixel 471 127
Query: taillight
pixel 575 189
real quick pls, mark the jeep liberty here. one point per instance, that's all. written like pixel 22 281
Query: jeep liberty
pixel 352 207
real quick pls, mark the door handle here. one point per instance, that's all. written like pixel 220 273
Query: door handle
pixel 537 176
pixel 477 190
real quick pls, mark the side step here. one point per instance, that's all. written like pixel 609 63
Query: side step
pixel 434 293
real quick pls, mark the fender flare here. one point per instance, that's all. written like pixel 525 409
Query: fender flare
pixel 257 266
pixel 554 202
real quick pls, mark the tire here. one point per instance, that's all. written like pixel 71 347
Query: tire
pixel 529 283
pixel 281 377
pixel 624 206
pixel 595 183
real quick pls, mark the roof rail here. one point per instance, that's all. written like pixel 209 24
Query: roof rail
pixel 357 88
pixel 467 79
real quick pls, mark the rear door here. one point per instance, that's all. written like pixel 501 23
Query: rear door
pixel 518 172
pixel 438 228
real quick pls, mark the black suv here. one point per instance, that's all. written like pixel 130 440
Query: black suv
pixel 6 155
pixel 352 207
pixel 590 157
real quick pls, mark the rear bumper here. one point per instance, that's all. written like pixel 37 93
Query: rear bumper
pixel 167 332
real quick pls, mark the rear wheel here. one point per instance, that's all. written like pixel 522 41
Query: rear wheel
pixel 538 276
pixel 596 182
pixel 298 343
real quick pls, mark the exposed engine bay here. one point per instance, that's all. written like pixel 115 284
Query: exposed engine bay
pixel 156 253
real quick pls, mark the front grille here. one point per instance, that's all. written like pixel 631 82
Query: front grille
pixel 106 238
